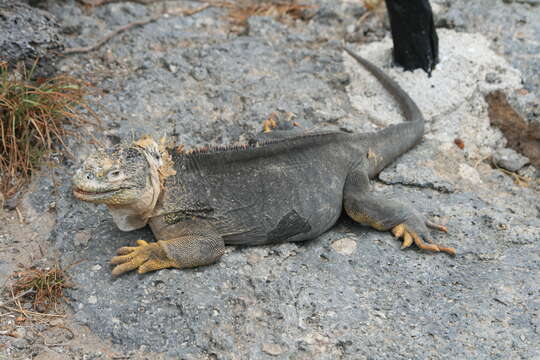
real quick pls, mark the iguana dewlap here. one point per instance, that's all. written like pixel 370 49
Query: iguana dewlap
pixel 288 186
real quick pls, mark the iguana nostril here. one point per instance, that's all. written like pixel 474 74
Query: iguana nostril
pixel 89 176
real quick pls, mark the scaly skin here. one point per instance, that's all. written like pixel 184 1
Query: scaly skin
pixel 284 185
pixel 114 178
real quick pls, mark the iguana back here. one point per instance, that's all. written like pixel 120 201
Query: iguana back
pixel 279 190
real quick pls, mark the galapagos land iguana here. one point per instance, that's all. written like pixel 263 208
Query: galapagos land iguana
pixel 282 188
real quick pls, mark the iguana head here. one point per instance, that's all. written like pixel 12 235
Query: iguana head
pixel 116 176
pixel 127 178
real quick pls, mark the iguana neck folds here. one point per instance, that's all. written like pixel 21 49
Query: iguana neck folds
pixel 136 215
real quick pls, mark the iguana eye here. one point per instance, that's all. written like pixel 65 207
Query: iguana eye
pixel 114 174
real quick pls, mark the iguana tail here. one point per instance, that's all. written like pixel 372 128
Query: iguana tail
pixel 394 140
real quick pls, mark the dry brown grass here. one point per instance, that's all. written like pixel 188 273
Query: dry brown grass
pixel 241 11
pixel 42 288
pixel 36 116
pixel 372 4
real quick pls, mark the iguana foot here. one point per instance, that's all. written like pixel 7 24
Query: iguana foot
pixel 413 231
pixel 146 257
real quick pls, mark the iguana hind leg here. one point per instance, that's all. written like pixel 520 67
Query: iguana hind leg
pixel 193 247
pixel 383 214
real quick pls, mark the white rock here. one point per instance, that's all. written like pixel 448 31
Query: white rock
pixel 452 99
pixel 469 173
pixel 345 246
pixel 272 349
pixel 509 159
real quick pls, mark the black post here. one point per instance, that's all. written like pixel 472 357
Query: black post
pixel 416 44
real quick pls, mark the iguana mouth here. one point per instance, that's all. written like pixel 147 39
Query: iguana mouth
pixel 81 192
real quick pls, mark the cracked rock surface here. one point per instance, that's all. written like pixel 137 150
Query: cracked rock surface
pixel 29 34
pixel 513 30
pixel 351 293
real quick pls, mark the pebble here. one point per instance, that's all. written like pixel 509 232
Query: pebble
pixel 493 78
pixel 81 238
pixel 57 322
pixel 272 349
pixel 199 73
pixel 469 173
pixel 20 343
pixel 529 171
pixel 20 332
pixel 345 246
pixel 509 159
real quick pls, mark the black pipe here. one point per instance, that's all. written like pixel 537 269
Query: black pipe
pixel 416 44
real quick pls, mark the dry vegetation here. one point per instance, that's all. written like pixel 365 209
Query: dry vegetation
pixel 240 12
pixel 372 4
pixel 35 116
pixel 38 289
pixel 43 288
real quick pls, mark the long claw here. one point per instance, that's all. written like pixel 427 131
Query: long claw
pixel 436 226
pixel 448 250
pixel 407 240
pixel 422 245
pixel 152 265
pixel 121 259
pixel 409 236
pixel 127 266
pixel 125 250
pixel 145 257
pixel 398 230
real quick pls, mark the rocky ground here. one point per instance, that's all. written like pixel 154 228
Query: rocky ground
pixel 351 293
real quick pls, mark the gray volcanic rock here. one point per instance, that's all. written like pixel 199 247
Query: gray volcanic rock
pixel 28 34
pixel 509 159
pixel 514 29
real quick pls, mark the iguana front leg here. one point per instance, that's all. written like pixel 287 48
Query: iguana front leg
pixel 383 214
pixel 193 247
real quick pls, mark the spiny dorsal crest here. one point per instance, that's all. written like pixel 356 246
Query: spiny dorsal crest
pixel 212 149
